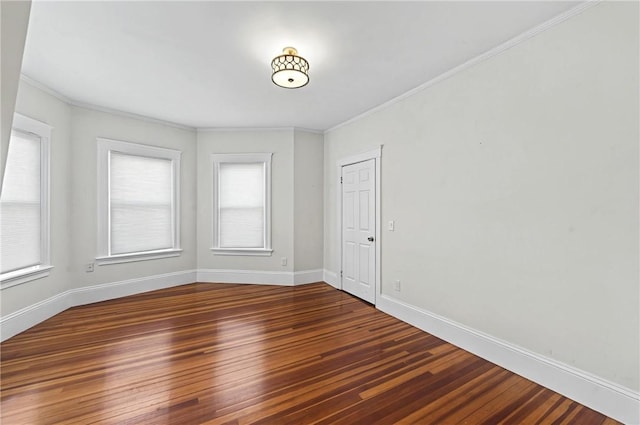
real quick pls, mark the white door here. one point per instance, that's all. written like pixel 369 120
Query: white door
pixel 359 230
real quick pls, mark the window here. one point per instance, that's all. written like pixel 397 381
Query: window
pixel 24 204
pixel 242 204
pixel 138 202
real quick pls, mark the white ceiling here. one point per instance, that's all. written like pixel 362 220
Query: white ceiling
pixel 207 64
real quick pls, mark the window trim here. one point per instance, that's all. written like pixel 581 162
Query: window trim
pixel 104 149
pixel 241 158
pixel 43 131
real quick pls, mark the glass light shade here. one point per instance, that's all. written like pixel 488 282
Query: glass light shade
pixel 290 70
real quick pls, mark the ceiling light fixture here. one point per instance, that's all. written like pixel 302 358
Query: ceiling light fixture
pixel 290 70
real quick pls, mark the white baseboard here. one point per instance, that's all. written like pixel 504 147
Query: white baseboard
pixel 21 320
pixel 257 277
pixel 606 397
pixel 601 395
pixel 108 291
pixel 307 276
pixel 331 278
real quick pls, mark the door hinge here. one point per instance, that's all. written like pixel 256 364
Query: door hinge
pixel 340 273
pixel 340 180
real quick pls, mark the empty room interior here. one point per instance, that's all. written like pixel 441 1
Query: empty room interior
pixel 320 212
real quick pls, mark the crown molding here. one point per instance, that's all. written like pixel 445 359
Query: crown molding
pixel 131 115
pixel 248 129
pixel 37 84
pixel 308 130
pixel 72 102
pixel 238 129
pixel 474 61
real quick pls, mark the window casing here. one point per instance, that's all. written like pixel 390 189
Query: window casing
pixel 24 204
pixel 138 202
pixel 241 204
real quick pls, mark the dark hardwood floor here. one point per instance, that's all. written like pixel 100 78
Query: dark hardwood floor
pixel 237 354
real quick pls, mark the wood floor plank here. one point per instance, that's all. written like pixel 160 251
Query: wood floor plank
pixel 245 354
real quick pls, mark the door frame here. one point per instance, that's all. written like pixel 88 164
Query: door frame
pixel 376 155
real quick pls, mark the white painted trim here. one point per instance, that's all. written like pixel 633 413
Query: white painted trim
pixel 138 256
pixel 248 252
pixel 45 187
pixel 42 131
pixel 241 158
pixel 307 276
pixel 378 288
pixel 474 61
pixel 72 102
pixel 260 277
pixel 364 156
pixel 339 225
pixel 240 129
pixel 308 130
pixel 31 125
pixel 27 317
pixel 38 85
pixel 331 278
pixel 108 291
pixel 104 150
pixel 249 129
pixel 21 320
pixel 375 154
pixel 16 277
pixel 611 399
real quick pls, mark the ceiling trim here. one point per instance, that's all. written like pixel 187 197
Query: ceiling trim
pixel 308 130
pixel 224 129
pixel 37 84
pixel 72 102
pixel 474 61
pixel 228 129
pixel 132 116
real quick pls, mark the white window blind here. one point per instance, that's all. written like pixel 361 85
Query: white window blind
pixel 141 192
pixel 241 205
pixel 20 204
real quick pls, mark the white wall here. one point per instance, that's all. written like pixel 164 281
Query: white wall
pixel 86 126
pixel 280 142
pixel 514 187
pixel 43 107
pixel 14 20
pixel 308 200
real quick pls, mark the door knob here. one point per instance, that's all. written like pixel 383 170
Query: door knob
pixel 370 238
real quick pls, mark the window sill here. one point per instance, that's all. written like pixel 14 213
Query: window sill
pixel 137 256
pixel 259 252
pixel 28 274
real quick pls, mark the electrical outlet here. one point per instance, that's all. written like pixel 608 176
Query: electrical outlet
pixel 283 261
pixel 392 225
pixel 89 268
pixel 396 285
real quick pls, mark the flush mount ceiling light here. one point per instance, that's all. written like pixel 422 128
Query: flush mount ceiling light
pixel 290 70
